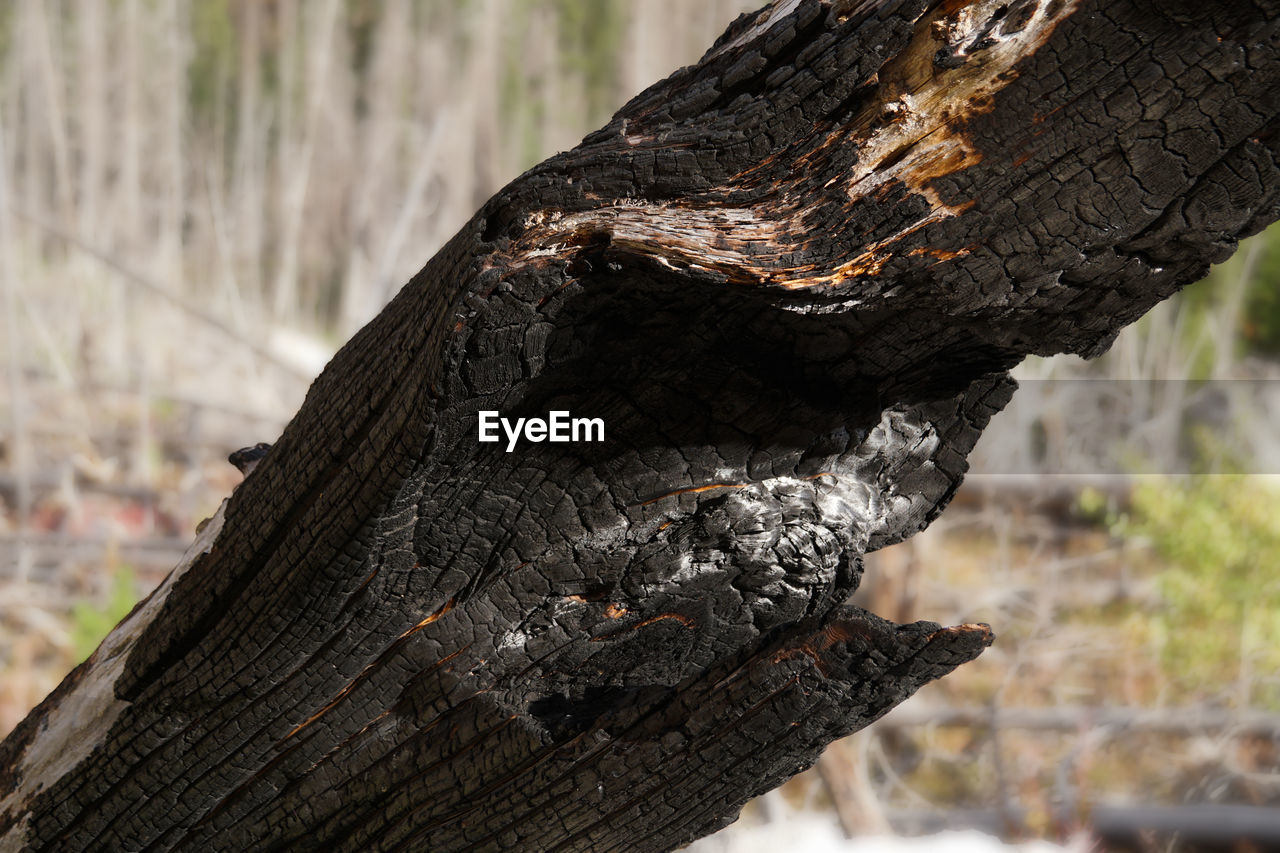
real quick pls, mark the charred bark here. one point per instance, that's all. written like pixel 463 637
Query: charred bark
pixel 791 280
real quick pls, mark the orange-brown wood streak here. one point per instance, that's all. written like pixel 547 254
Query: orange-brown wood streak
pixel 364 673
pixel 692 490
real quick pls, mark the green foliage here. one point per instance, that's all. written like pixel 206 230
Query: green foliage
pixel 515 103
pixel 1219 538
pixel 362 21
pixel 1243 286
pixel 1261 323
pixel 8 17
pixel 91 622
pixel 214 43
pixel 591 34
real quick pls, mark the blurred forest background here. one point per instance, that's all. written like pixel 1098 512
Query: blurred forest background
pixel 200 201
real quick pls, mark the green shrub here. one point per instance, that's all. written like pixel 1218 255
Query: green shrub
pixel 1260 320
pixel 1218 536
pixel 91 622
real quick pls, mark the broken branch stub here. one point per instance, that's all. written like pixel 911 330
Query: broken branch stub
pixel 789 280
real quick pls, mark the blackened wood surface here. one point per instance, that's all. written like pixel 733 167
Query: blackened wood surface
pixel 790 279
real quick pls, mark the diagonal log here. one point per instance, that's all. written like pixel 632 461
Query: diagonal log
pixel 790 280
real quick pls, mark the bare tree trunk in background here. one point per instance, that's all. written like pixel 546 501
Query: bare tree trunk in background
pixel 790 279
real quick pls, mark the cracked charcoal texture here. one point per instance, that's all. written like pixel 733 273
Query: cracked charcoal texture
pixel 791 279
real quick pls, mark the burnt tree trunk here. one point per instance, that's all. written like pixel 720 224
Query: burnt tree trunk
pixel 791 280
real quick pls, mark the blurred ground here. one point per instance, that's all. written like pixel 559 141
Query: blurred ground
pixel 200 202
